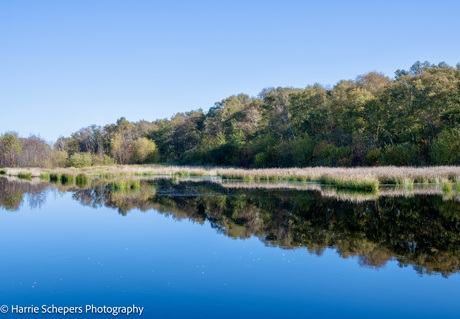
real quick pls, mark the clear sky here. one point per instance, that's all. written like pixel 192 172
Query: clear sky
pixel 67 64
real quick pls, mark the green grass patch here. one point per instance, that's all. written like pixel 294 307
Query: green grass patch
pixel 447 187
pixel 107 175
pixel 365 185
pixel 45 176
pixel 81 180
pixel 67 179
pixel 125 185
pixel 24 175
pixel 248 178
pixel 371 185
pixel 182 174
pixel 457 187
pixel 402 181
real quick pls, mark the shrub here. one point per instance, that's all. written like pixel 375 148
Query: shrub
pixel 80 160
pixel 373 157
pixel 60 158
pixel 330 155
pixel 101 160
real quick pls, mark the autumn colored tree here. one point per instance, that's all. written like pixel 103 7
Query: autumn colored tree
pixel 144 151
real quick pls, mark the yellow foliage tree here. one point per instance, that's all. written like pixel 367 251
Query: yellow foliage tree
pixel 144 151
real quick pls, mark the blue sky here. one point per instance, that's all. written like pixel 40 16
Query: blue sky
pixel 67 64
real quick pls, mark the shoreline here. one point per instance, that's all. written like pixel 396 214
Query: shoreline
pixel 358 178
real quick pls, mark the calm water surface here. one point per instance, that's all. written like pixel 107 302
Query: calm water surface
pixel 196 249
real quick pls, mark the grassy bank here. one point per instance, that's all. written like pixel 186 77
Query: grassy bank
pixel 362 178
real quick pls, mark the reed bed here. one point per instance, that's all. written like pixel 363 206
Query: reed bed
pixel 265 185
pixel 339 178
pixel 385 174
pixel 344 194
pixel 355 195
pixel 127 183
pixel 359 178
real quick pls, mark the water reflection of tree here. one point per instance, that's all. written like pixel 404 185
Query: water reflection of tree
pixel 422 231
pixel 12 194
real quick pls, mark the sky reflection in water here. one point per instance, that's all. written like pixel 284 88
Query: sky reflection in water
pixel 181 266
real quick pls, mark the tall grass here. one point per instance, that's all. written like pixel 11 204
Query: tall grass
pixel 67 179
pixel 81 180
pixel 364 183
pixel 447 187
pixel 45 176
pixel 24 175
pixel 365 178
pixel 457 187
pixel 125 185
pixel 401 176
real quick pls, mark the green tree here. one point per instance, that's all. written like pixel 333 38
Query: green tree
pixel 10 149
pixel 144 151
pixel 120 148
pixel 445 150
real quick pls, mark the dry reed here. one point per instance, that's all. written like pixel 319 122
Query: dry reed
pixel 359 178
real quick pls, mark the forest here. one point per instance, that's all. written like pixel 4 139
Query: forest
pixel 412 119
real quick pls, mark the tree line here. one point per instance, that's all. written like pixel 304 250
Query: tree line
pixel 412 119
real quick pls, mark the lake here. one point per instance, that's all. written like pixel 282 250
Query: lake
pixel 205 249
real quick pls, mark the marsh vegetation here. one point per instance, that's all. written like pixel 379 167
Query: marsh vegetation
pixel 359 179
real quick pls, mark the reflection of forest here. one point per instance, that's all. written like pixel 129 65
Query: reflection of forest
pixel 422 231
pixel 12 193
